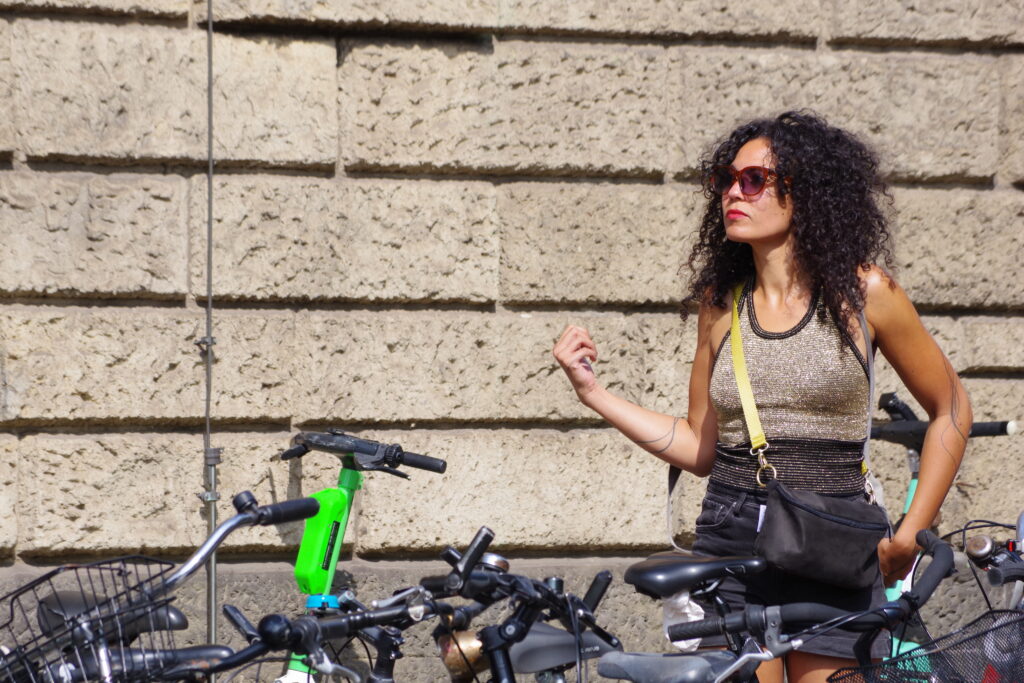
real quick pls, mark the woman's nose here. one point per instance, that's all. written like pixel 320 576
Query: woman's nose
pixel 734 190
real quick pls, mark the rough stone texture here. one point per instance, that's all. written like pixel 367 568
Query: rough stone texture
pixel 276 97
pixel 81 235
pixel 956 247
pixel 281 238
pixel 403 15
pixel 378 240
pixel 801 19
pixel 7 128
pixel 80 93
pixel 341 367
pixel 10 460
pixel 978 343
pixel 136 492
pixel 134 8
pixel 945 22
pixel 1011 126
pixel 131 365
pixel 506 107
pixel 421 366
pixel 902 103
pixel 65 507
pixel 595 243
pixel 492 479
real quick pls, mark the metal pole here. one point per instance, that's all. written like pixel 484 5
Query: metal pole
pixel 211 456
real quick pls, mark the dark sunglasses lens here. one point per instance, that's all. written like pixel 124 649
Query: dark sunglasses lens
pixel 721 180
pixel 752 180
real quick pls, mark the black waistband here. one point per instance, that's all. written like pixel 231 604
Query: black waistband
pixel 826 466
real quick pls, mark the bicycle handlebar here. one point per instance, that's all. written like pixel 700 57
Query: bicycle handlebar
pixel 339 443
pixel 287 511
pixel 249 514
pixel 809 613
pixel 424 462
pixel 909 433
pixel 1000 575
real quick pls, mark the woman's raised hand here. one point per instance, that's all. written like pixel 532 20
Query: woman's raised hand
pixel 575 351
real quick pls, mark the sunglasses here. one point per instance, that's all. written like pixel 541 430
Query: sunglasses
pixel 752 179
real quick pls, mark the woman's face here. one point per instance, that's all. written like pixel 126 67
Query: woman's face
pixel 763 218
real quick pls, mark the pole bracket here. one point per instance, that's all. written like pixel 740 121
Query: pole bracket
pixel 205 344
pixel 211 456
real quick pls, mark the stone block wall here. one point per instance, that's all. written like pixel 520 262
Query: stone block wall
pixel 412 199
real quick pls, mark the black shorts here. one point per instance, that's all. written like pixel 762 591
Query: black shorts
pixel 727 525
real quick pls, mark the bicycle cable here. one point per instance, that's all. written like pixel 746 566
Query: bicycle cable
pixel 578 636
pixel 832 624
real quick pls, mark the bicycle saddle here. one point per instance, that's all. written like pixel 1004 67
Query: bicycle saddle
pixel 61 607
pixel 688 667
pixel 667 573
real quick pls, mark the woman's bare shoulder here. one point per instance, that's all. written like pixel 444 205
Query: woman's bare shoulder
pixel 712 323
pixel 879 286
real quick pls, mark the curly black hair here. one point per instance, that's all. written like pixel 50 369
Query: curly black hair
pixel 838 223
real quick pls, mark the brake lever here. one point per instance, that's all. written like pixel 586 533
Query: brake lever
pixel 371 463
pixel 415 596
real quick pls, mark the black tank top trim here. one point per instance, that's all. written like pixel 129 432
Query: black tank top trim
pixel 748 296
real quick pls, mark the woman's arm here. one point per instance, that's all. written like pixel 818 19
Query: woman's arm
pixel 927 373
pixel 686 443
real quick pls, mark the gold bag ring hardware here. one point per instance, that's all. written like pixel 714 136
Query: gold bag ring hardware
pixel 763 465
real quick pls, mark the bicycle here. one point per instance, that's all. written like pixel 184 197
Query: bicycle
pixel 112 620
pixel 322 538
pixel 905 429
pixel 766 632
pixel 524 641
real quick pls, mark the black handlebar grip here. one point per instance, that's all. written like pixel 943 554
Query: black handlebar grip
pixel 338 443
pixel 287 511
pixel 598 587
pixel 1003 428
pixel 1003 574
pixel 436 585
pixel 295 452
pixel 477 548
pixel 346 624
pixel 940 567
pixel 424 462
pixel 696 629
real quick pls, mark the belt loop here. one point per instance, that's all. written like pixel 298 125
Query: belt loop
pixel 740 500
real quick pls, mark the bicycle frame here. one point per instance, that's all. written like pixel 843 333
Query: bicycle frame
pixel 317 560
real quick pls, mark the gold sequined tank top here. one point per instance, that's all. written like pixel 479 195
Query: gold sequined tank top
pixel 811 388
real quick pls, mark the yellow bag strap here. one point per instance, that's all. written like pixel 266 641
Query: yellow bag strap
pixel 758 442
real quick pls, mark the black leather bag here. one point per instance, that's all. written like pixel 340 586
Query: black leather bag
pixel 831 540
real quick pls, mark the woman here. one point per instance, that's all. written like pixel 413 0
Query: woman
pixel 792 214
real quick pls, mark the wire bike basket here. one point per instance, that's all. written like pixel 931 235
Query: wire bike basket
pixel 76 622
pixel 988 650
